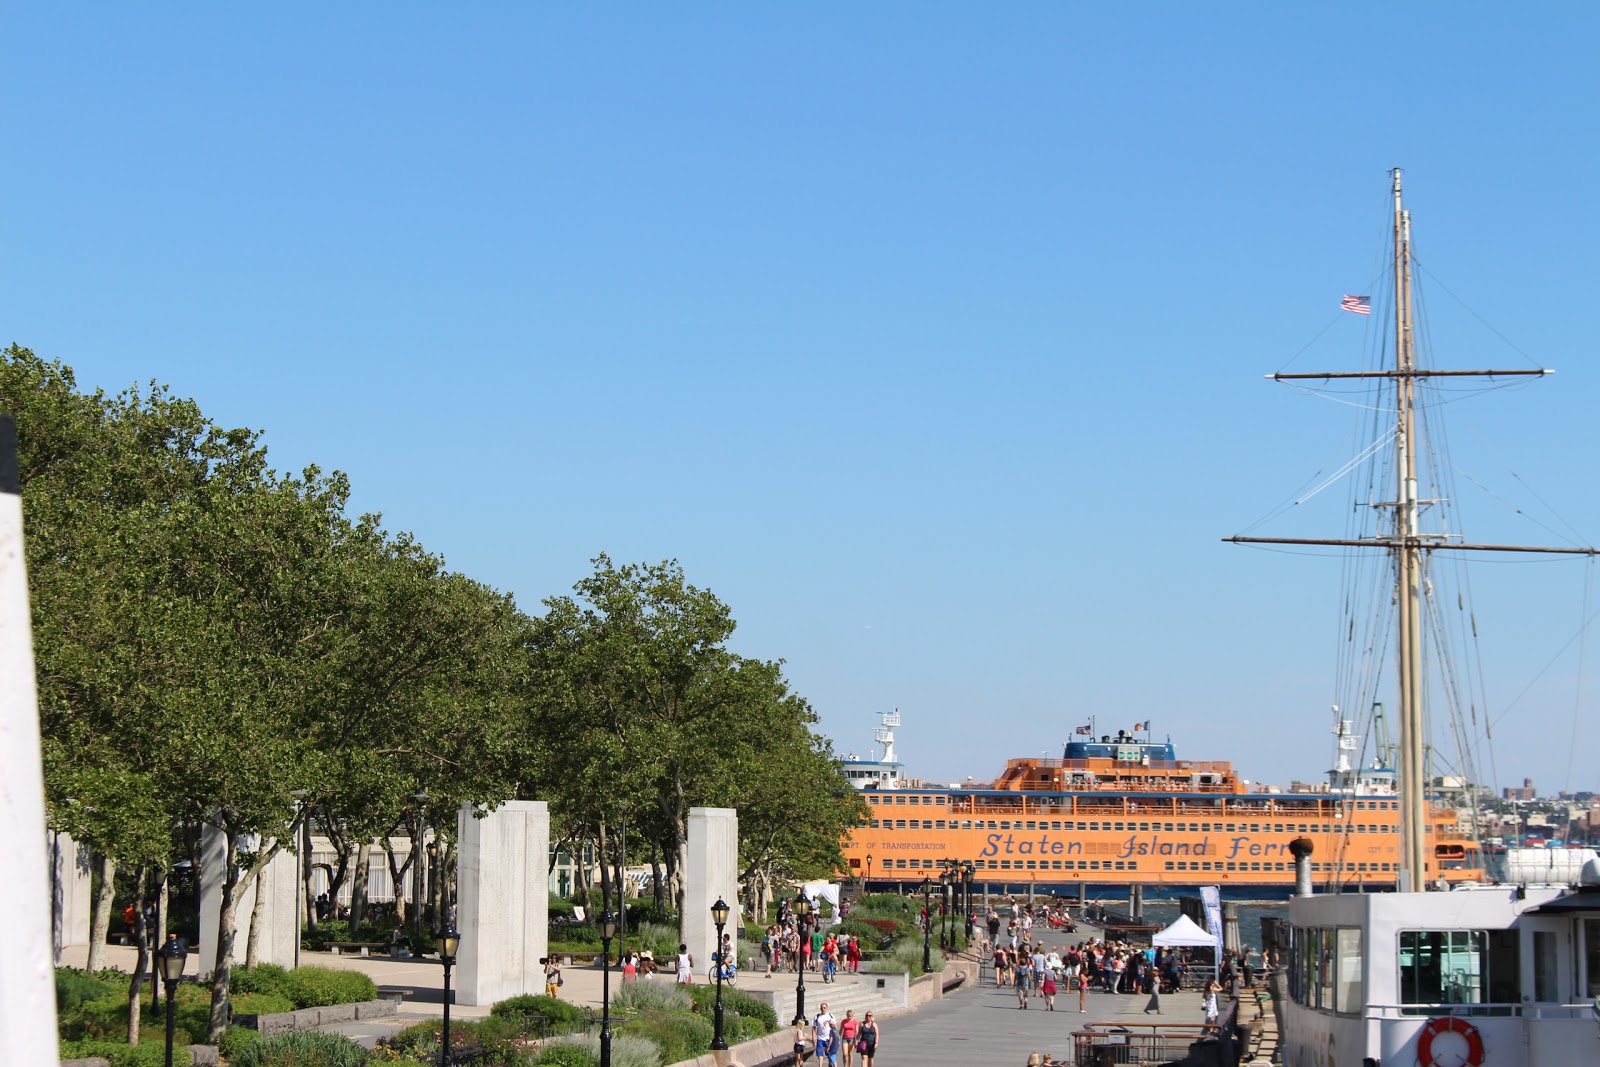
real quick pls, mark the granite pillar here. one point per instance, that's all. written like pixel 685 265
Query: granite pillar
pixel 70 904
pixel 711 870
pixel 502 900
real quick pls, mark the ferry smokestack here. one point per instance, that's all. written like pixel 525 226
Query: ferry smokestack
pixel 1300 849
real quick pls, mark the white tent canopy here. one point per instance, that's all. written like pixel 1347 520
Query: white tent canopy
pixel 817 892
pixel 1184 932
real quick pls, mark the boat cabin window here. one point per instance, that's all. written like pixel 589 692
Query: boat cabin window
pixel 1439 967
pixel 1326 972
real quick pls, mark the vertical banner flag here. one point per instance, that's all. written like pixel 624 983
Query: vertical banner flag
pixel 1211 897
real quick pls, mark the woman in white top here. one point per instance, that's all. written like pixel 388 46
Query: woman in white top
pixel 685 966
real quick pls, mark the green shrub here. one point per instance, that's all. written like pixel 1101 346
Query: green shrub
pixel 681 1037
pixel 235 1039
pixel 759 1016
pixel 570 1055
pixel 75 987
pixel 303 1048
pixel 261 1004
pixel 661 939
pixel 627 1050
pixel 314 987
pixel 640 998
pixel 121 1054
pixel 557 1012
pixel 906 957
pixel 262 978
pixel 415 1038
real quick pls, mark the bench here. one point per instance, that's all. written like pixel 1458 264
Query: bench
pixel 366 947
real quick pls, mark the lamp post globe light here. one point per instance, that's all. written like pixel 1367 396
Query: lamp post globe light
pixel 171 958
pixel 608 930
pixel 868 886
pixel 719 916
pixel 447 941
pixel 802 909
pixel 927 925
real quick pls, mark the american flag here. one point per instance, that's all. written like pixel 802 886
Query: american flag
pixel 1085 730
pixel 1361 305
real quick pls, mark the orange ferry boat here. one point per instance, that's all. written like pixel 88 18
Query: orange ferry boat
pixel 1122 810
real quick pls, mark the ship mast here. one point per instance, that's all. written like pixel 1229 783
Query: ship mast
pixel 1408 547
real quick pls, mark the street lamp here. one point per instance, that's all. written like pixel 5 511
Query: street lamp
pixel 927 925
pixel 868 886
pixel 608 930
pixel 447 940
pixel 719 915
pixel 172 956
pixel 966 907
pixel 802 908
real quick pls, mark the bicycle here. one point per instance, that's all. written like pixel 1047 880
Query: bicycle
pixel 730 972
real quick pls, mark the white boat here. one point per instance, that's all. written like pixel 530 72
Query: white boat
pixel 1506 975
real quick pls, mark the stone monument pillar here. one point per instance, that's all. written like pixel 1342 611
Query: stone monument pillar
pixel 27 981
pixel 69 893
pixel 711 870
pixel 502 900
pixel 280 916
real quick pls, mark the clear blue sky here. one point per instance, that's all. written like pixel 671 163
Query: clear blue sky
pixel 929 336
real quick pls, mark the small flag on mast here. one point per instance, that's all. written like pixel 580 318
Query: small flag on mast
pixel 1085 729
pixel 1361 305
pixel 1138 726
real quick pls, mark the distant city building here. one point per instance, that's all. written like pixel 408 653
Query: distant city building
pixel 1526 792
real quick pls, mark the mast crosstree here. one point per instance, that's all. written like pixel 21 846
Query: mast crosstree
pixel 1407 546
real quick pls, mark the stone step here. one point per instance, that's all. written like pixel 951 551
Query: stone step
pixel 848 992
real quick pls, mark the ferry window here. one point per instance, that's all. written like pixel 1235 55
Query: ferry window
pixel 1033 865
pixel 1277 827
pixel 1230 828
pixel 1347 976
pixel 1167 826
pixel 1442 966
pixel 1591 957
pixel 1031 825
pixel 938 824
pixel 1545 975
pixel 1171 866
pixel 1094 826
pixel 1255 828
pixel 1255 866
pixel 1055 824
pixel 899 824
pixel 899 800
pixel 1005 865
pixel 1094 865
pixel 1205 827
pixel 1144 826
pixel 1055 865
pixel 1233 866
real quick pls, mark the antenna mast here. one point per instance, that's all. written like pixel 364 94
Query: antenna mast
pixel 1408 547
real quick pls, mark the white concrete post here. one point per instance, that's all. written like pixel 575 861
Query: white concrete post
pixel 502 900
pixel 69 893
pixel 712 871
pixel 281 885
pixel 27 981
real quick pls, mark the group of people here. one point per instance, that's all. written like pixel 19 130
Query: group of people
pixel 837 1041
pixel 784 947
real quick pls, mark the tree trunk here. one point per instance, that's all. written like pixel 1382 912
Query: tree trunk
pixel 658 888
pixel 234 884
pixel 100 923
pixel 397 878
pixel 358 889
pixel 602 839
pixel 252 943
pixel 222 974
pixel 141 937
pixel 158 937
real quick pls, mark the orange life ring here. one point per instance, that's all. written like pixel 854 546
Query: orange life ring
pixel 1449 1023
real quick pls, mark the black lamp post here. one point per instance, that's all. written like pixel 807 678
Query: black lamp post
pixel 608 930
pixel 447 940
pixel 868 886
pixel 172 956
pixel 946 927
pixel 966 884
pixel 927 925
pixel 802 909
pixel 719 915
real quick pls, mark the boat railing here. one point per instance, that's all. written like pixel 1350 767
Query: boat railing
pixel 1423 1012
pixel 1144 808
